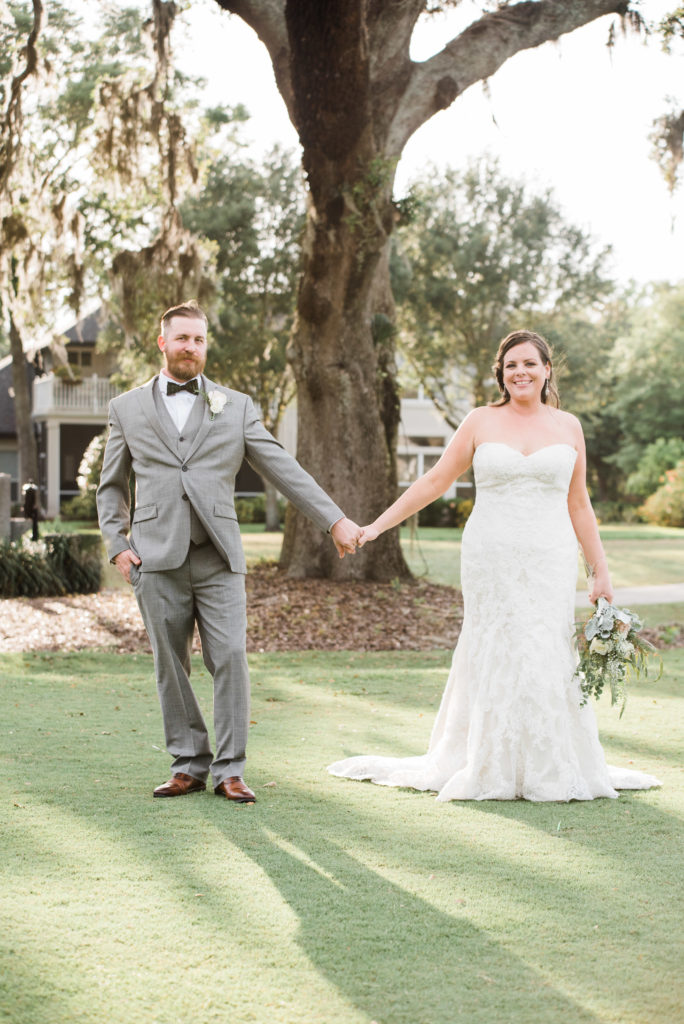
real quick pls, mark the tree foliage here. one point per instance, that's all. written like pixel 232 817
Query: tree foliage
pixel 648 363
pixel 661 455
pixel 254 216
pixel 480 256
pixel 667 136
pixel 666 505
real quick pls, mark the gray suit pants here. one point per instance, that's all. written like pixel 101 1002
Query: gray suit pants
pixel 201 590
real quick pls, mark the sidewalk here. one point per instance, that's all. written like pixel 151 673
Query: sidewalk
pixel 666 593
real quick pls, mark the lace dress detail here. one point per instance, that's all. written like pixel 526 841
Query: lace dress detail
pixel 510 723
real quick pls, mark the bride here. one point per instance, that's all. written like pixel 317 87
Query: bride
pixel 510 724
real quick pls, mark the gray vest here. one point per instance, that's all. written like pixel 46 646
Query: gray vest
pixel 182 442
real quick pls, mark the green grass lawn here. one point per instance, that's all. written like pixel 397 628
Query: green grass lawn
pixel 637 555
pixel 329 902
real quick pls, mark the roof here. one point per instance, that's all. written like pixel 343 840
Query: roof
pixel 87 329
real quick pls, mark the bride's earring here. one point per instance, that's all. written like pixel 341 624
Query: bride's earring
pixel 545 390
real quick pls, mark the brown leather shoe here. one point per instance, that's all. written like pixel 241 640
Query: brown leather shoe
pixel 234 789
pixel 179 785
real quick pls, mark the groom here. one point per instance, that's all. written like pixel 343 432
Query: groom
pixel 185 437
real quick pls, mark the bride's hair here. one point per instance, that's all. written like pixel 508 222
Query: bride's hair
pixel 549 393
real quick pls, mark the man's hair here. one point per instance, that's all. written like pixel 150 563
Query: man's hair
pixel 190 309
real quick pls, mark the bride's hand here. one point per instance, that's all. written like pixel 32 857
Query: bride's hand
pixel 600 586
pixel 368 533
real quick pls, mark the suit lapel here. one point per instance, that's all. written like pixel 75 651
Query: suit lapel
pixel 205 423
pixel 149 409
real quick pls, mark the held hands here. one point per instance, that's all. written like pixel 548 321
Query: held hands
pixel 346 535
pixel 123 562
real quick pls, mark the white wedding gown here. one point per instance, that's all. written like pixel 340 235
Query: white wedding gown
pixel 510 724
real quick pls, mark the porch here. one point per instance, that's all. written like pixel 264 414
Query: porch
pixel 67 415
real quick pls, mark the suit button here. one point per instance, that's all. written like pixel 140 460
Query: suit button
pixel 184 468
pixel 185 498
pixel 181 438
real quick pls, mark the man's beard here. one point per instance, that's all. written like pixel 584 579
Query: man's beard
pixel 184 368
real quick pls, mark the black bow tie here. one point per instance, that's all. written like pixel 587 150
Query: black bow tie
pixel 192 386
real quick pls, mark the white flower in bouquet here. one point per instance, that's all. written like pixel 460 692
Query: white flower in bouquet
pixel 624 648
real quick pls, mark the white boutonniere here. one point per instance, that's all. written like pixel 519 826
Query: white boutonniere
pixel 216 401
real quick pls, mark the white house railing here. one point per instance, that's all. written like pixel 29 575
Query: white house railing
pixel 52 395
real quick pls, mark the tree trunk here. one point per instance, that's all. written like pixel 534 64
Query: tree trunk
pixel 342 349
pixel 347 402
pixel 26 438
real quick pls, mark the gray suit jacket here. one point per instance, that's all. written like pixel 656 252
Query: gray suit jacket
pixel 139 440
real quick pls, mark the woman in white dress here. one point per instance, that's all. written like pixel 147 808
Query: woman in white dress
pixel 511 724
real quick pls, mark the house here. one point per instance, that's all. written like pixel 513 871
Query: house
pixel 70 409
pixel 423 436
pixel 9 458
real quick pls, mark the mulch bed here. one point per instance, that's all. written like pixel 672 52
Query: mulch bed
pixel 282 615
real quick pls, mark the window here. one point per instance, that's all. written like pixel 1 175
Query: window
pixel 407 467
pixel 427 442
pixel 79 356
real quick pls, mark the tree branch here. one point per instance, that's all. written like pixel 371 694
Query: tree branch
pixel 481 49
pixel 11 118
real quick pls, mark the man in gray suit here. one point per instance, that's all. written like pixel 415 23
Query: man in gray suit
pixel 185 437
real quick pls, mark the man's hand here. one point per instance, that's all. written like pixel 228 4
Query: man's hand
pixel 345 534
pixel 123 562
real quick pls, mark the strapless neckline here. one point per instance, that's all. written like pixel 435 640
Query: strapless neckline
pixel 527 455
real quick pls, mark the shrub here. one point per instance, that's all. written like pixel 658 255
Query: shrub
pixel 446 512
pixel 616 512
pixel 666 506
pixel 658 457
pixel 82 507
pixel 62 563
pixel 253 510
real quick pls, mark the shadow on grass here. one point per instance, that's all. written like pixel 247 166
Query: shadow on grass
pixel 389 950
pixel 390 953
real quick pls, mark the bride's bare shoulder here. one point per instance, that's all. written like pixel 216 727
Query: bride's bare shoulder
pixel 566 419
pixel 569 425
pixel 480 415
pixel 481 418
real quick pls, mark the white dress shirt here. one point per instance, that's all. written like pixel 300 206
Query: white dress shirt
pixel 178 406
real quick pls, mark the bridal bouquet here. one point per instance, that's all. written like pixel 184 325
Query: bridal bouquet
pixel 610 649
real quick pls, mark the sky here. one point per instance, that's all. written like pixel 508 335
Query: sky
pixel 571 116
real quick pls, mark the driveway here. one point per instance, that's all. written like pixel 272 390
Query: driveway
pixel 666 593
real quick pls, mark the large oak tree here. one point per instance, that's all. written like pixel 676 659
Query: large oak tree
pixel 355 97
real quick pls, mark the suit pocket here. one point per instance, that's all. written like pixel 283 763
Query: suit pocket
pixel 225 511
pixel 145 512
